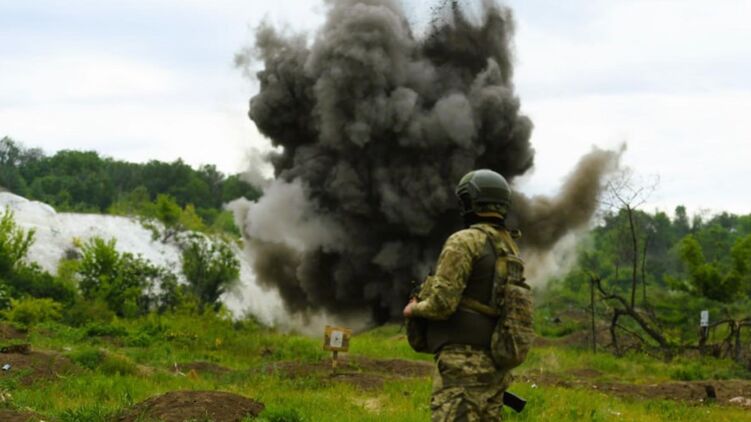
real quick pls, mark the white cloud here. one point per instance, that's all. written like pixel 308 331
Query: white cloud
pixel 696 144
pixel 138 132
pixel 76 77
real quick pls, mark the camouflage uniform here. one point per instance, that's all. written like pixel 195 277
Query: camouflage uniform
pixel 467 385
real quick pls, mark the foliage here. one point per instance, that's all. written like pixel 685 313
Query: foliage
pixel 14 243
pixel 82 311
pixel 685 265
pixel 250 353
pixel 85 181
pixel 31 311
pixel 211 268
pixel 714 280
pixel 19 278
pixel 101 360
pixel 128 284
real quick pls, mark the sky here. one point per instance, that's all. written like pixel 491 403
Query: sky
pixel 154 79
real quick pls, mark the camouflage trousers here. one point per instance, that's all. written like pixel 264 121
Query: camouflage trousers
pixel 467 387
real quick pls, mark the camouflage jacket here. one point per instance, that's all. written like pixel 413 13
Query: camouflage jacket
pixel 441 293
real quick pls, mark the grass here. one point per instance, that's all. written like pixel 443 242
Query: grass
pixel 113 357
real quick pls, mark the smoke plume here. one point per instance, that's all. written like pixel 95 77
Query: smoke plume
pixel 376 126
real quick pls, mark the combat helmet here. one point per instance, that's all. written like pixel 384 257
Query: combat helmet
pixel 483 191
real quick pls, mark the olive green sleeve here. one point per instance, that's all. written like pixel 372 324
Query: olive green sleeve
pixel 442 292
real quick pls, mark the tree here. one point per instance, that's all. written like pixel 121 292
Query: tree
pixel 20 278
pixel 128 284
pixel 211 268
pixel 14 244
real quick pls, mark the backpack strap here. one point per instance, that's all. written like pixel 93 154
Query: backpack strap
pixel 507 244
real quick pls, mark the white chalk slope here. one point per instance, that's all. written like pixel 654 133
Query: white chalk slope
pixel 55 232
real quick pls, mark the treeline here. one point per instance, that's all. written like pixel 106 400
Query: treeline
pixel 84 181
pixel 649 275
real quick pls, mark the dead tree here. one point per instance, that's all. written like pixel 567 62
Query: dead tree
pixel 625 309
pixel 625 194
pixel 730 346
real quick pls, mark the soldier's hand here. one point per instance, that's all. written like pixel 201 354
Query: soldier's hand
pixel 408 309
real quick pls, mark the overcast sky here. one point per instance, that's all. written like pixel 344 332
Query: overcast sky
pixel 153 79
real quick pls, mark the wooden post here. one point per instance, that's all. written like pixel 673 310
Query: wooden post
pixel 335 340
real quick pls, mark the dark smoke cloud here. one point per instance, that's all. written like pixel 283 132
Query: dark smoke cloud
pixel 376 128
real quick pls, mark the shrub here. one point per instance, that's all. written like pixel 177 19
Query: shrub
pixel 31 280
pixel 117 365
pixel 99 329
pixel 14 243
pixel 84 311
pixel 125 282
pixel 31 311
pixel 108 363
pixel 210 268
pixel 88 357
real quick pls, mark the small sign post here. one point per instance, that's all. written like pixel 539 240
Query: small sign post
pixel 703 329
pixel 704 322
pixel 335 340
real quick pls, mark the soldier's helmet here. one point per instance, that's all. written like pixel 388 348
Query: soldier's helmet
pixel 483 192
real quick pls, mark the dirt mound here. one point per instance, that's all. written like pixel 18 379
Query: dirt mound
pixel 36 366
pixel 180 406
pixel 7 415
pixel 362 372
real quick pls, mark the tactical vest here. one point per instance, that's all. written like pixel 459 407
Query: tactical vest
pixel 467 326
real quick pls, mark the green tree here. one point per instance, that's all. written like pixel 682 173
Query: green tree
pixel 211 268
pixel 128 284
pixel 708 278
pixel 14 244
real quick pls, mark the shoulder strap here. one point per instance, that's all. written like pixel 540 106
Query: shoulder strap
pixel 507 244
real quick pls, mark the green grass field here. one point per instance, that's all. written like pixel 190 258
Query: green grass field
pixel 120 364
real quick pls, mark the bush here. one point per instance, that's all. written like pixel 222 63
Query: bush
pixel 84 311
pixel 89 358
pixel 96 359
pixel 125 282
pixel 99 329
pixel 31 311
pixel 14 244
pixel 210 268
pixel 31 280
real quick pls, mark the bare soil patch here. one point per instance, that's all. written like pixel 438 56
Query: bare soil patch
pixel 180 406
pixel 696 392
pixel 362 372
pixel 36 366
pixel 7 415
pixel 9 332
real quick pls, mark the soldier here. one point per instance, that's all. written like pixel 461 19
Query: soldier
pixel 457 301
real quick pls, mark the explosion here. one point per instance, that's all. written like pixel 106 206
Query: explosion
pixel 376 126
